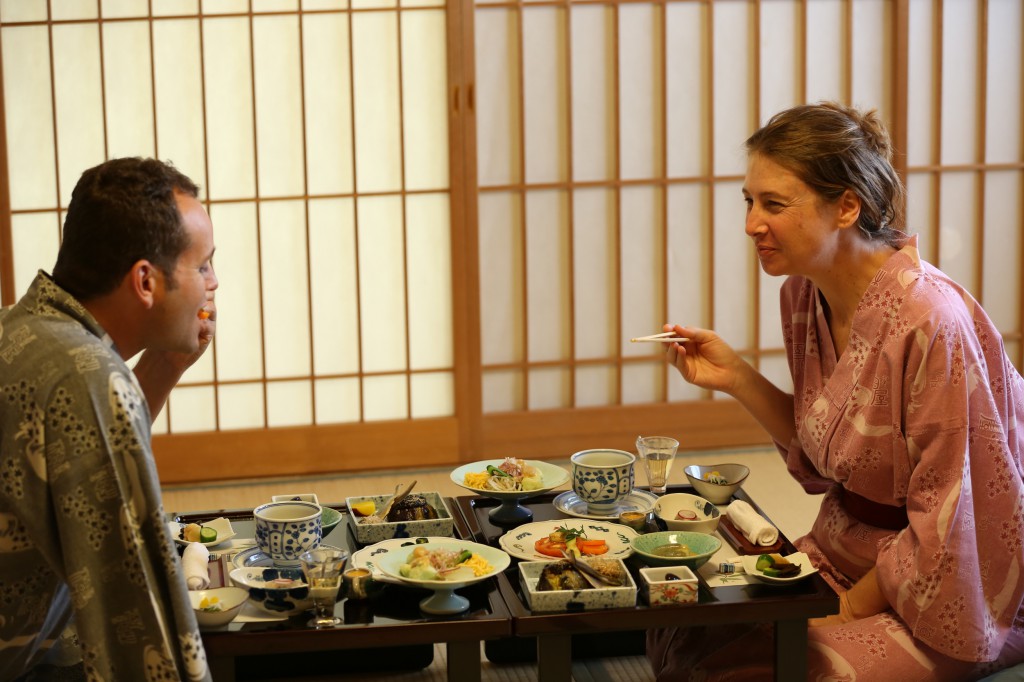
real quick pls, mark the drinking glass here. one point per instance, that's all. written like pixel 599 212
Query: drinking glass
pixel 657 454
pixel 322 568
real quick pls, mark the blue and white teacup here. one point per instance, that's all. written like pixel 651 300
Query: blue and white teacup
pixel 601 478
pixel 284 530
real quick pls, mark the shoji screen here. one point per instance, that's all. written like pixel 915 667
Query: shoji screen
pixel 319 136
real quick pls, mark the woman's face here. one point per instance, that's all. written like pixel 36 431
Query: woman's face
pixel 794 231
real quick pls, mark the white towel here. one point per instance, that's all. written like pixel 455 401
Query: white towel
pixel 753 526
pixel 196 562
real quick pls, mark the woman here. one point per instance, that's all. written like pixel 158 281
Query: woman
pixel 904 413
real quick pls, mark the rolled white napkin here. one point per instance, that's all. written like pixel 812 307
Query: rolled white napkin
pixel 753 526
pixel 196 562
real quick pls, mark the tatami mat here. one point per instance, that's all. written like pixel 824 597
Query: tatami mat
pixel 769 485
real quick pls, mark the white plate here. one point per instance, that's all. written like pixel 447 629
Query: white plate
pixel 519 542
pixel 367 557
pixel 637 500
pixel 444 600
pixel 749 562
pixel 552 475
pixel 254 556
pixel 223 527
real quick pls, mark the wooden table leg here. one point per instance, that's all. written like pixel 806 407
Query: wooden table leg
pixel 222 668
pixel 554 658
pixel 790 650
pixel 464 661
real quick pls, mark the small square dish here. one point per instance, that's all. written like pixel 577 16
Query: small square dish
pixel 668 585
pixel 590 599
pixel 370 533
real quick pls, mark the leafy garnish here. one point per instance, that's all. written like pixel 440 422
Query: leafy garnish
pixel 571 533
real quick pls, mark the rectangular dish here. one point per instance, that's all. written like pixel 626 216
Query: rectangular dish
pixel 573 600
pixel 369 533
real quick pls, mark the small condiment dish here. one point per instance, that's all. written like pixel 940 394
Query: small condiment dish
pixel 716 493
pixel 668 585
pixel 700 545
pixel 217 606
pixel 701 515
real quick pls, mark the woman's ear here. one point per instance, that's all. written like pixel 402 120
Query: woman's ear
pixel 849 209
pixel 145 280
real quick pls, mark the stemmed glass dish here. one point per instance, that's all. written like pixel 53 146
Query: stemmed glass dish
pixel 323 568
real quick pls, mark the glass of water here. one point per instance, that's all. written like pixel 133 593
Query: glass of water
pixel 657 454
pixel 322 568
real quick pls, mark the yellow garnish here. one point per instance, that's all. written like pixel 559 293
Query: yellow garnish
pixel 364 508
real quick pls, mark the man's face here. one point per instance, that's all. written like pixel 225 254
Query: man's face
pixel 192 283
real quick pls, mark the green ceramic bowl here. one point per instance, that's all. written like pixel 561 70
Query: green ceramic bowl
pixel 702 546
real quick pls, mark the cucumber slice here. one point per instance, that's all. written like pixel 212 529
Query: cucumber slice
pixel 207 534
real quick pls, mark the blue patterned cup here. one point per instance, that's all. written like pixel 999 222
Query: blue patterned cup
pixel 284 530
pixel 601 478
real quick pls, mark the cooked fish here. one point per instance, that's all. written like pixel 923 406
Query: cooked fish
pixel 559 575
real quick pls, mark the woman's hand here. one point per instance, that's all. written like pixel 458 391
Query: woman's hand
pixel 705 360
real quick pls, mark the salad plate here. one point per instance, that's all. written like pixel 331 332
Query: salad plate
pixel 521 542
pixel 223 527
pixel 806 568
pixel 637 500
pixel 367 557
pixel 510 511
pixel 444 601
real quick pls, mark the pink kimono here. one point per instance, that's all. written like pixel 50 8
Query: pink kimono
pixel 916 421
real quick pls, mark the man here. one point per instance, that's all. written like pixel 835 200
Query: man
pixel 81 520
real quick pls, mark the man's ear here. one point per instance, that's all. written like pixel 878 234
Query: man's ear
pixel 849 209
pixel 145 281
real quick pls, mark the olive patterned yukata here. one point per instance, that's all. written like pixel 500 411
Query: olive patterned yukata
pixel 82 529
pixel 919 416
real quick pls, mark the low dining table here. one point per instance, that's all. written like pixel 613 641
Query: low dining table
pixel 387 625
pixel 499 616
pixel 788 607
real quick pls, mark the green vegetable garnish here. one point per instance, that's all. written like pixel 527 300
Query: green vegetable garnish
pixel 764 561
pixel 571 533
pixel 495 471
pixel 464 555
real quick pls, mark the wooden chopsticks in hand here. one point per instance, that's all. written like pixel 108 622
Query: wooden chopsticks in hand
pixel 665 337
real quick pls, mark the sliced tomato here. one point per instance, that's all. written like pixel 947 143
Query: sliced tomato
pixel 591 547
pixel 546 547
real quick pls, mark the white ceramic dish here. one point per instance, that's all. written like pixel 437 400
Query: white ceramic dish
pixel 519 542
pixel 570 504
pixel 510 511
pixel 706 516
pixel 230 599
pixel 658 590
pixel 444 600
pixel 369 533
pixel 367 557
pixel 266 595
pixel 573 600
pixel 716 493
pixel 806 568
pixel 223 527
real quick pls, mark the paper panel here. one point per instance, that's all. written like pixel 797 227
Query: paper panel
pixel 333 273
pixel 502 306
pixel 429 249
pixel 279 124
pixel 425 99
pixel 382 284
pixel 545 98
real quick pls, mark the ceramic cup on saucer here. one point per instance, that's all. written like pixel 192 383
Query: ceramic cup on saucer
pixel 284 530
pixel 602 477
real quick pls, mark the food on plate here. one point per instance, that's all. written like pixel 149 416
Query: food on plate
pixel 611 570
pixel 686 515
pixel 211 604
pixel 573 540
pixel 560 575
pixel 444 564
pixel 715 477
pixel 195 532
pixel 413 507
pixel 776 566
pixel 512 475
pixel 366 508
pixel 673 549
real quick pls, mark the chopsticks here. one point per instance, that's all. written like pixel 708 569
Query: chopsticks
pixel 664 337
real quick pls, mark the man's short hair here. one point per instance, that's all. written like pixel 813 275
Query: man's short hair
pixel 121 211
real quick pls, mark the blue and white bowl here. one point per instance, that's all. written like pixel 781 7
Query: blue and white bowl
pixel 284 530
pixel 277 591
pixel 602 477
